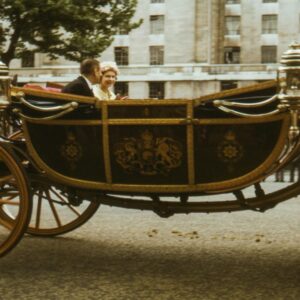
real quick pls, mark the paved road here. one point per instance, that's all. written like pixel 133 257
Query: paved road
pixel 123 254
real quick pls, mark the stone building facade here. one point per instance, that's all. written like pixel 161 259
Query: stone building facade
pixel 185 49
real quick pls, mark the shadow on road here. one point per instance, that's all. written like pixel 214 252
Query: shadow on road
pixel 89 269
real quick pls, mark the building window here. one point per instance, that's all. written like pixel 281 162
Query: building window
pixel 268 54
pixel 121 56
pixel 157 90
pixel 232 25
pixel 228 85
pixel 157 1
pixel 27 60
pixel 121 88
pixel 269 24
pixel 157 24
pixel 232 55
pixel 269 1
pixel 233 1
pixel 156 55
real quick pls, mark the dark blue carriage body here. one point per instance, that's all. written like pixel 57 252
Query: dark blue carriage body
pixel 153 146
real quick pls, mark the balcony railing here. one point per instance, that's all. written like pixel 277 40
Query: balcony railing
pixel 186 71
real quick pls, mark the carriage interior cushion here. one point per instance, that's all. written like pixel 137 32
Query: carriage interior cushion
pixel 38 87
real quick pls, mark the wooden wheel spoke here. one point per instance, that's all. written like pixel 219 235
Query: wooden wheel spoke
pixel 8 202
pixel 59 196
pixel 76 211
pixel 7 224
pixel 7 192
pixel 5 179
pixel 54 211
pixel 13 196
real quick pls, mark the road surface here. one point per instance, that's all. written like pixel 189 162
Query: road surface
pixel 129 254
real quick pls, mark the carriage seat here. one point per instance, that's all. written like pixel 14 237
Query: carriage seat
pixel 38 87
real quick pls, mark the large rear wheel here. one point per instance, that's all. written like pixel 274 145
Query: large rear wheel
pixel 15 203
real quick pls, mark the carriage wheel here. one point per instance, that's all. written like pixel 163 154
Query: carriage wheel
pixel 14 201
pixel 52 212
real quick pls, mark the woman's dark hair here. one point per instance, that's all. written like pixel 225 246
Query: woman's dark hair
pixel 87 66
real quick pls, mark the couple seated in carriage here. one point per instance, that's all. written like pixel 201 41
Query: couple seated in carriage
pixel 95 80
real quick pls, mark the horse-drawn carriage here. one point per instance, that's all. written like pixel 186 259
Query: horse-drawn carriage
pixel 68 154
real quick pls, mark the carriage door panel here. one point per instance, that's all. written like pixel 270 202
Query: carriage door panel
pixel 69 149
pixel 147 144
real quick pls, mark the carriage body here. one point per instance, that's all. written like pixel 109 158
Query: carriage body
pixel 154 148
pixel 151 146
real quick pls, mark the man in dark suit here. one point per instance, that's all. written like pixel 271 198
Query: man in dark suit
pixel 83 85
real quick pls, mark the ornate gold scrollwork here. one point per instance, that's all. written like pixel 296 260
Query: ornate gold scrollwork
pixel 148 155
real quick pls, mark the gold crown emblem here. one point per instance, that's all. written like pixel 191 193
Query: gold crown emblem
pixel 147 135
pixel 230 136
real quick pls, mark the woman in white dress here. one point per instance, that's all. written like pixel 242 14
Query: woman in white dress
pixel 109 71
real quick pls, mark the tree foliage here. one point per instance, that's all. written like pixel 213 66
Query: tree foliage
pixel 74 29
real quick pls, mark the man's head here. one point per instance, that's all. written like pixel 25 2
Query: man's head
pixel 90 68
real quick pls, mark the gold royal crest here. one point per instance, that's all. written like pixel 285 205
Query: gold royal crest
pixel 148 155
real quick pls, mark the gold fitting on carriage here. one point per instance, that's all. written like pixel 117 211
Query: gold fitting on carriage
pixel 5 81
pixel 289 82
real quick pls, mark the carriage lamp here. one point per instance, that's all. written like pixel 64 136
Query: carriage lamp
pixel 289 82
pixel 4 86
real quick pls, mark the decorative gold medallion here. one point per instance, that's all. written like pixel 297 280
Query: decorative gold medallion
pixel 148 155
pixel 71 150
pixel 230 150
